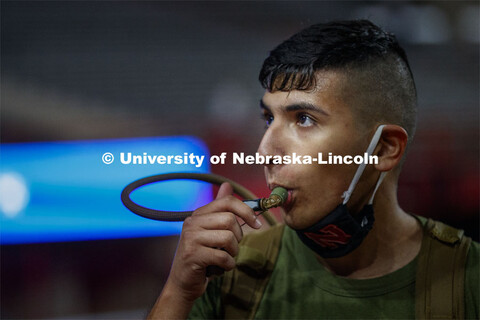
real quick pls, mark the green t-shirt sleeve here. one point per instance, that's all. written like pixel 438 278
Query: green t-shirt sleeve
pixel 472 282
pixel 208 306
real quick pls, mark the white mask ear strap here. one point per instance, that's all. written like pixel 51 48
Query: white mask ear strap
pixel 373 144
pixel 379 182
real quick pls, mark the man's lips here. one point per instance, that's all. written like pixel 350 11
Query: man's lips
pixel 290 200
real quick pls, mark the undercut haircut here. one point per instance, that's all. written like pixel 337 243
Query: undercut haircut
pixel 378 82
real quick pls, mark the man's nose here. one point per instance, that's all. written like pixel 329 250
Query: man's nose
pixel 272 142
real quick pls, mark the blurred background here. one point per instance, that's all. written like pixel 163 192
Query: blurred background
pixel 92 72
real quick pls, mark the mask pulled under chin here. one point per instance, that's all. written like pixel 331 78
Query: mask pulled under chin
pixel 340 232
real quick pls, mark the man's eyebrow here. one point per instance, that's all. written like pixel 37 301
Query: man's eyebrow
pixel 301 106
pixel 264 106
pixel 305 106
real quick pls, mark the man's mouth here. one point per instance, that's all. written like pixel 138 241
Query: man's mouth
pixel 288 204
pixel 290 201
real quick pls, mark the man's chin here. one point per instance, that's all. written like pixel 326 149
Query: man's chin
pixel 296 220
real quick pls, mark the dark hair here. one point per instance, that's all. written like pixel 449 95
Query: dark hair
pixel 370 55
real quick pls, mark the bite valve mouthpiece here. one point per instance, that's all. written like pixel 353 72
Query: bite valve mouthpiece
pixel 277 198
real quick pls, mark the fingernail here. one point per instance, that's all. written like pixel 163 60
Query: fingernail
pixel 258 224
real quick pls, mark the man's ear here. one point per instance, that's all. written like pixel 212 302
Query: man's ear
pixel 391 147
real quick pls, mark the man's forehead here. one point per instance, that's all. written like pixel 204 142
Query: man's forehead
pixel 327 91
pixel 279 99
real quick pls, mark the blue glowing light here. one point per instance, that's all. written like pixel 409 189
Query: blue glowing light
pixel 63 191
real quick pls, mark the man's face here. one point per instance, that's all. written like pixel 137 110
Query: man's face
pixel 309 122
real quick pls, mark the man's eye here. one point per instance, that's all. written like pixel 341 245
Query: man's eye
pixel 268 118
pixel 304 120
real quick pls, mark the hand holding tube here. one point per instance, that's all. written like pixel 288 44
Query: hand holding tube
pixel 277 198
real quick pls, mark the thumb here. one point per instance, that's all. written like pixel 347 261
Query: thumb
pixel 225 190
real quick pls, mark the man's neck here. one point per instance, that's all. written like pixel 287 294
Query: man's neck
pixel 393 242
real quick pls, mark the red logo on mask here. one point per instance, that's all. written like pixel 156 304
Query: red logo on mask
pixel 329 237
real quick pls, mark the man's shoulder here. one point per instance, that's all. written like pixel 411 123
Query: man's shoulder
pixel 450 236
pixel 473 260
pixel 442 231
pixel 475 248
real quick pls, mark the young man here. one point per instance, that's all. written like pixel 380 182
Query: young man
pixel 348 250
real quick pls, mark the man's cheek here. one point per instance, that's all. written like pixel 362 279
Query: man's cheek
pixel 297 174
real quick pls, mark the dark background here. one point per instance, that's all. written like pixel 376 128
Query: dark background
pixel 94 70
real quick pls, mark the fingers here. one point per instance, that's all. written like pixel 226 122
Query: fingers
pixel 224 239
pixel 216 257
pixel 226 189
pixel 228 203
pixel 210 237
pixel 199 249
pixel 216 221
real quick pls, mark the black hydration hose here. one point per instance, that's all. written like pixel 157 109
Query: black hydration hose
pixel 278 196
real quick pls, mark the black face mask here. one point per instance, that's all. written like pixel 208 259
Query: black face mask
pixel 341 232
